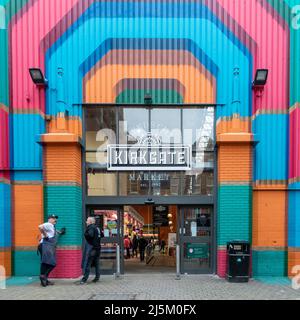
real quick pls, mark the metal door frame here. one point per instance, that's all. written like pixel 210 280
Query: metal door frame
pixel 119 239
pixel 182 239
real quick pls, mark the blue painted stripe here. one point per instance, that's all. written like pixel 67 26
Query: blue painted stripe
pixel 5 215
pixel 271 161
pixel 294 186
pixel 150 44
pixel 31 175
pixel 147 21
pixel 25 152
pixel 294 218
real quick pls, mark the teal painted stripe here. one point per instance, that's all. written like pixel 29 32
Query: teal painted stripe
pixel 158 96
pixel 26 263
pixel 21 281
pixel 269 263
pixel 66 202
pixel 234 213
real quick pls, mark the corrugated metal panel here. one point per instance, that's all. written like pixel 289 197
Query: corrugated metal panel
pixel 294 218
pixel 27 199
pixel 5 215
pixel 158 96
pixel 27 32
pixel 148 20
pixel 26 263
pixel 3 68
pixel 271 150
pixel 118 65
pixel 269 263
pixel 26 153
pixel 294 146
pixel 272 39
pixel 4 138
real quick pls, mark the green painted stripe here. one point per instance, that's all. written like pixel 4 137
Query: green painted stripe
pixel 13 7
pixel 25 263
pixel 66 202
pixel 234 214
pixel 158 96
pixel 269 263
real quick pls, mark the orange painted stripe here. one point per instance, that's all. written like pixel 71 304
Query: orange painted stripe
pixel 269 218
pixel 229 125
pixel 101 82
pixel 63 125
pixel 27 214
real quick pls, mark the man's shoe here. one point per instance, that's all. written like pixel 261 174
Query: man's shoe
pixel 43 281
pixel 50 283
pixel 95 280
pixel 82 282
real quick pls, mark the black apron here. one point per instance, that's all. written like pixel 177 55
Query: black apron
pixel 47 250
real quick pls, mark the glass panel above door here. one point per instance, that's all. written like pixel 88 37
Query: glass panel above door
pixel 154 150
pixel 197 222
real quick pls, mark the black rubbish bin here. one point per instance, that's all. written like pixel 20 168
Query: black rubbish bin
pixel 238 261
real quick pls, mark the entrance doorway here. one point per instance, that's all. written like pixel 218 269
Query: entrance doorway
pixel 147 236
pixel 154 238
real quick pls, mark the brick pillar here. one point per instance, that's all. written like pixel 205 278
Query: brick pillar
pixel 63 197
pixel 234 191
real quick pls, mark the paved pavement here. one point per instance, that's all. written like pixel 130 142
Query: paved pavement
pixel 153 287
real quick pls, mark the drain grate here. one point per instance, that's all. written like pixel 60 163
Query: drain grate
pixel 113 296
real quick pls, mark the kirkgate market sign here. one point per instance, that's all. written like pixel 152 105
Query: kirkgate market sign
pixel 149 154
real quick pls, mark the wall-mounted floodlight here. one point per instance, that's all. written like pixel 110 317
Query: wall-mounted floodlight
pixel 261 77
pixel 37 77
pixel 148 99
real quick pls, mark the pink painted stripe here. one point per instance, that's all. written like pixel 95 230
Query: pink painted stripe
pixel 68 264
pixel 272 38
pixel 294 163
pixel 221 263
pixel 27 31
pixel 4 139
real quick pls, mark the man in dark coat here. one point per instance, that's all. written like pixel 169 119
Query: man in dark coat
pixel 47 248
pixel 92 250
pixel 142 246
